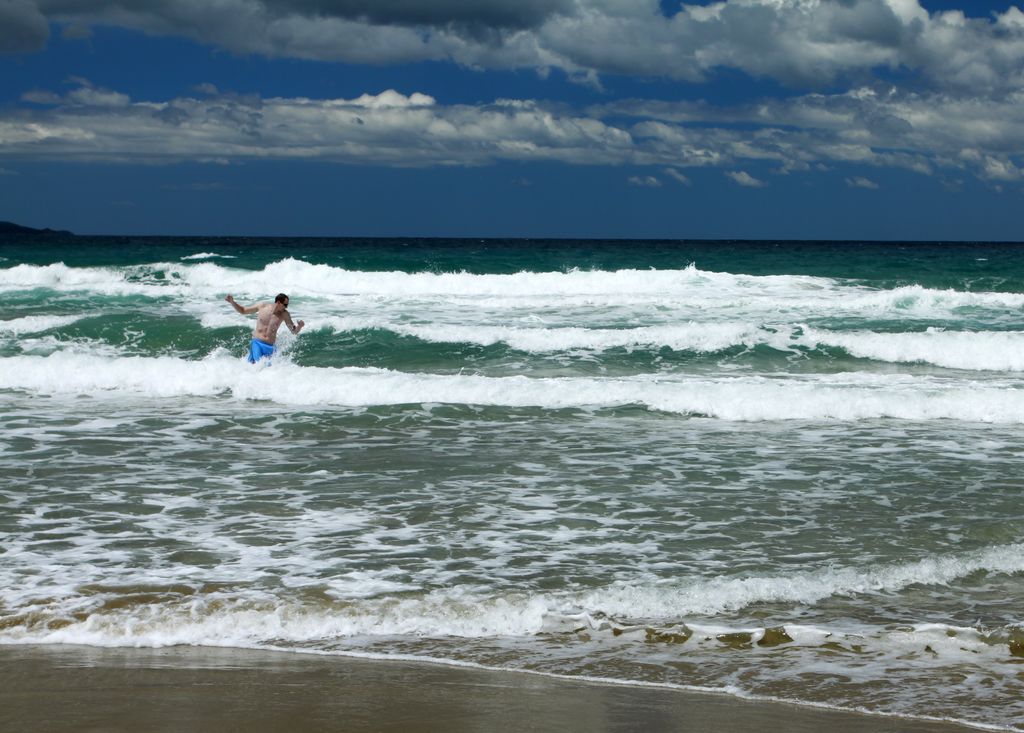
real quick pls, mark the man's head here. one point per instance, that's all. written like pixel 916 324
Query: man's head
pixel 282 299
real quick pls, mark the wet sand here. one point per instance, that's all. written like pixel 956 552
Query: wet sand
pixel 71 688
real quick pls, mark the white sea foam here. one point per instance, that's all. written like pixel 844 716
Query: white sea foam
pixel 57 275
pixel 971 350
pixel 207 256
pixel 227 618
pixel 692 336
pixel 990 350
pixel 709 597
pixel 848 396
pixel 135 280
pixel 327 280
pixel 690 288
pixel 36 324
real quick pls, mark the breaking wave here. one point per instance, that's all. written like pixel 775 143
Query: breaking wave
pixel 690 286
pixel 844 396
pixel 187 614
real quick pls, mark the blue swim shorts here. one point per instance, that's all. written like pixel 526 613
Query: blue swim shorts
pixel 260 350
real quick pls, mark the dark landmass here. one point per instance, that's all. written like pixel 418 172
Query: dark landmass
pixel 8 228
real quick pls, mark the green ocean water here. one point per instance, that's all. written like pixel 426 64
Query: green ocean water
pixel 777 469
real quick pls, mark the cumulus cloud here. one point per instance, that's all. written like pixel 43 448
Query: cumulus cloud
pixel 861 182
pixel 882 126
pixel 926 133
pixel 87 95
pixel 673 173
pixel 387 128
pixel 745 179
pixel 644 181
pixel 992 167
pixel 40 96
pixel 798 42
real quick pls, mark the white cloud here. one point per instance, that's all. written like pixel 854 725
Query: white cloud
pixel 798 42
pixel 38 96
pixel 861 182
pixel 90 97
pixel 745 179
pixel 388 128
pixel 391 98
pixel 673 173
pixel 993 167
pixel 865 127
pixel 882 127
pixel 644 181
pixel 1001 169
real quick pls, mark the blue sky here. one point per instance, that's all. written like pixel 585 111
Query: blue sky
pixel 805 119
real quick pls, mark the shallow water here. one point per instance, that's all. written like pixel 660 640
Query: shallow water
pixel 780 469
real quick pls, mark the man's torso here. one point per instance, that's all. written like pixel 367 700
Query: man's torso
pixel 267 323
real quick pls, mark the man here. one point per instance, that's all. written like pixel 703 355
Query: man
pixel 268 320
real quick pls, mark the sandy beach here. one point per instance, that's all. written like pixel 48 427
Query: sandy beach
pixel 73 688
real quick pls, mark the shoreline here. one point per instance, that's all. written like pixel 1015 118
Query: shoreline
pixel 80 688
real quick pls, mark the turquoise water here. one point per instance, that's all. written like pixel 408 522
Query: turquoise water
pixel 776 469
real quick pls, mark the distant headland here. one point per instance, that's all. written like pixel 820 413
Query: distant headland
pixel 8 227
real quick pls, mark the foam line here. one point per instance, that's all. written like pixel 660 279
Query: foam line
pixel 990 350
pixel 849 396
pixel 36 324
pixel 691 336
pixel 206 256
pixel 729 594
pixel 222 617
pixel 689 286
pixel 969 350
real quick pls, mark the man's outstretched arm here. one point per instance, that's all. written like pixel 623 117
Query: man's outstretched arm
pixel 293 327
pixel 240 308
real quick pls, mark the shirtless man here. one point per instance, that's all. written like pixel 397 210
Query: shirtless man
pixel 268 320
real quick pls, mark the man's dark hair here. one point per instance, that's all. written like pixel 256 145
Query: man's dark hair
pixel 281 297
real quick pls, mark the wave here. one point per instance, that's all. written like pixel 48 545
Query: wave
pixel 989 350
pixel 691 336
pixel 966 350
pixel 321 279
pixel 669 612
pixel 318 279
pixel 137 280
pixel 36 324
pixel 689 287
pixel 731 594
pixel 846 396
pixel 207 256
pixel 969 350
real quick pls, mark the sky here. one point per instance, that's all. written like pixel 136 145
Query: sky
pixel 743 119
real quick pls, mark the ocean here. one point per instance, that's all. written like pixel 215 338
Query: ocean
pixel 777 470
